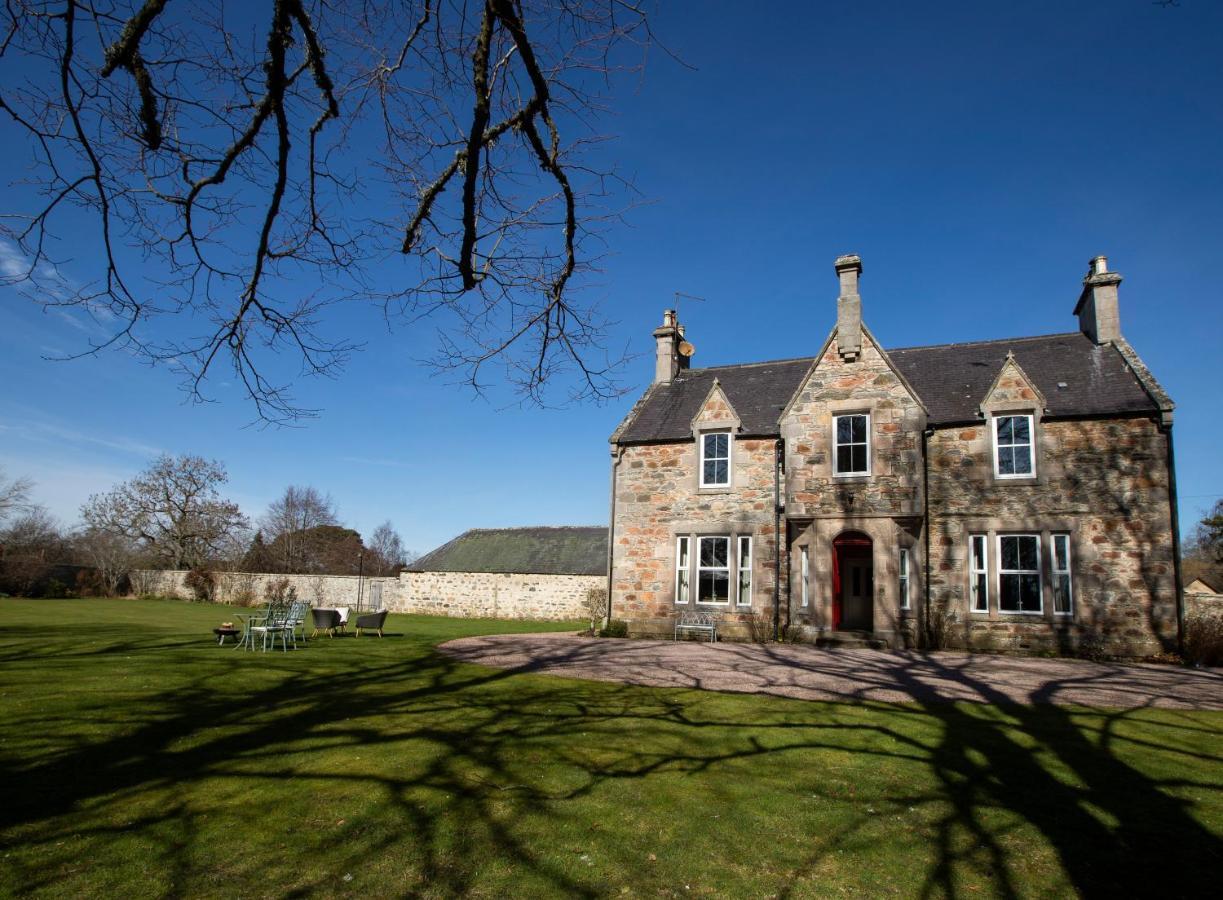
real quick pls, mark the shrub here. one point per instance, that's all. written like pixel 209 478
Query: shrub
pixel 201 583
pixel 595 606
pixel 56 590
pixel 89 584
pixel 616 628
pixel 1204 640
pixel 760 623
pixel 279 591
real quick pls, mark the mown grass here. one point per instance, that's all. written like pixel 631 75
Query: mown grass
pixel 140 759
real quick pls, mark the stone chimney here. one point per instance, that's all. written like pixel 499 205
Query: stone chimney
pixel 667 337
pixel 849 307
pixel 1097 306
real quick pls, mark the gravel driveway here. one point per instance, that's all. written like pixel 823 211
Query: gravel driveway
pixel 809 673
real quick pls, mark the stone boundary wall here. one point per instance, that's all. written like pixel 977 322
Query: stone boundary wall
pixel 1203 604
pixel 248 587
pixel 460 594
pixel 496 595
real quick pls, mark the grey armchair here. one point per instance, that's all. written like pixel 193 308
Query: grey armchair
pixel 371 622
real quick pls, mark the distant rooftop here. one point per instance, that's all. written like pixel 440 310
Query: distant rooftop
pixel 539 550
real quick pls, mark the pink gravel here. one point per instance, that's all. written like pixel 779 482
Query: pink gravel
pixel 809 673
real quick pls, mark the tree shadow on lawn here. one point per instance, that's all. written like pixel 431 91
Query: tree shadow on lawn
pixel 464 777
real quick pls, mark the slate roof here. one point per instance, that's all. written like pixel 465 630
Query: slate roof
pixel 950 379
pixel 545 550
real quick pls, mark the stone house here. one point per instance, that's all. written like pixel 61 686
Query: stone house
pixel 1012 494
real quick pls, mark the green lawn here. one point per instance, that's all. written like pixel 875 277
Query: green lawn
pixel 140 759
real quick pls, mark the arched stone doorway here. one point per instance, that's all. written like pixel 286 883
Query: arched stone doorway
pixel 853 583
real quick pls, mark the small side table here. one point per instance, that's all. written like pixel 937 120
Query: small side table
pixel 223 633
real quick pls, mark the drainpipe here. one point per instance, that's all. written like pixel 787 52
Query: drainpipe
pixel 925 508
pixel 611 533
pixel 1176 542
pixel 779 462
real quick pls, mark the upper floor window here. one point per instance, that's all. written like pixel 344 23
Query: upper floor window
pixel 1019 573
pixel 713 570
pixel 805 576
pixel 851 444
pixel 715 459
pixel 1013 447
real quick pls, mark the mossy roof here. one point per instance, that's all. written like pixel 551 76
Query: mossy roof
pixel 542 550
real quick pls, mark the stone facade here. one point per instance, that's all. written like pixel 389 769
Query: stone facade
pixel 1099 489
pixel 461 594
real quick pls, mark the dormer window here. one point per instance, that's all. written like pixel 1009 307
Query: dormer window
pixel 851 444
pixel 1013 457
pixel 715 459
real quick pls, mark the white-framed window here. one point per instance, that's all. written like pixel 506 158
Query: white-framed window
pixel 804 574
pixel 683 568
pixel 743 594
pixel 713 570
pixel 1019 588
pixel 904 578
pixel 715 459
pixel 851 444
pixel 1063 592
pixel 978 572
pixel 1013 456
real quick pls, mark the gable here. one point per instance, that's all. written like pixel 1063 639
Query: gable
pixel 869 374
pixel 716 410
pixel 1012 389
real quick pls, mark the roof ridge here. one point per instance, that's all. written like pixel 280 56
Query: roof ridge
pixel 1006 340
pixel 798 359
pixel 532 527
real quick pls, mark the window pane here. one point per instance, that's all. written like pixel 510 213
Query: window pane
pixel 1006 460
pixel 1010 553
pixel 681 588
pixel 844 430
pixel 979 594
pixel 1029 593
pixel 1061 593
pixel 1022 427
pixel 710 471
pixel 845 459
pixel 1008 586
pixel 1028 553
pixel 858 429
pixel 683 553
pixel 745 586
pixel 1023 460
pixel 904 563
pixel 713 587
pixel 978 552
pixel 716 445
pixel 859 458
pixel 721 472
pixel 1061 552
pixel 1006 430
pixel 714 552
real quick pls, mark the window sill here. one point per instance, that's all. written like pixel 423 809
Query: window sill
pixel 851 476
pixel 1020 478
pixel 715 489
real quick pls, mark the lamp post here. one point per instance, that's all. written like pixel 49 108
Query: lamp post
pixel 360 573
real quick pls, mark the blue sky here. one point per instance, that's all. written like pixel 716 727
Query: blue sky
pixel 975 154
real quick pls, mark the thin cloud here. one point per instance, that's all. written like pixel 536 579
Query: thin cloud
pixel 45 432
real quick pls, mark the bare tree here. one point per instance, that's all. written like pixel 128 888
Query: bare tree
pixel 386 552
pixel 288 522
pixel 113 555
pixel 222 154
pixel 31 545
pixel 174 509
pixel 14 495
